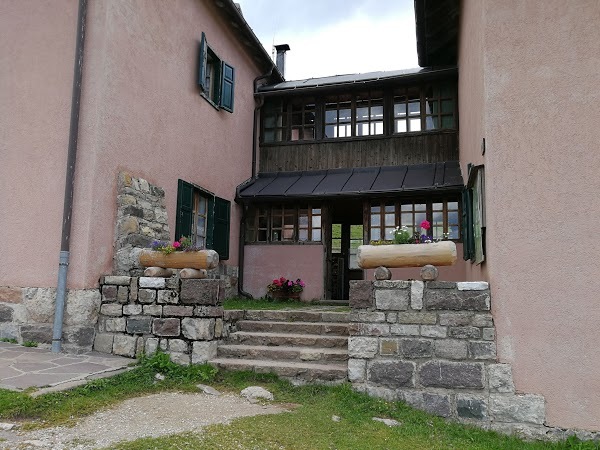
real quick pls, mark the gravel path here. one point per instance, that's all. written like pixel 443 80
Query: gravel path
pixel 151 416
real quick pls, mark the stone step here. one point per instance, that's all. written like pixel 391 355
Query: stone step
pixel 298 370
pixel 333 303
pixel 286 315
pixel 283 352
pixel 329 328
pixel 288 339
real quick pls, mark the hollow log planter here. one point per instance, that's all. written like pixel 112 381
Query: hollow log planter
pixel 406 255
pixel 201 259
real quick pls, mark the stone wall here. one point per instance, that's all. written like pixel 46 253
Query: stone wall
pixel 27 314
pixel 141 218
pixel 183 318
pixel 432 345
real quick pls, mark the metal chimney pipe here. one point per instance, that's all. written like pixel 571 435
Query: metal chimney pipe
pixel 280 61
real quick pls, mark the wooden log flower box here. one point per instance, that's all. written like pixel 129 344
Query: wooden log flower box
pixel 199 259
pixel 406 255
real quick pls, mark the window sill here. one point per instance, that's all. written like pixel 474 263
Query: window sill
pixel 208 99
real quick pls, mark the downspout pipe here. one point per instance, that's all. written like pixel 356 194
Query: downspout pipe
pixel 241 291
pixel 63 265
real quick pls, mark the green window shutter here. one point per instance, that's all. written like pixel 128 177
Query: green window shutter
pixel 222 215
pixel 185 209
pixel 227 86
pixel 203 54
pixel 210 223
pixel 467 224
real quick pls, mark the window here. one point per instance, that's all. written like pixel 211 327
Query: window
pixel 439 107
pixel 443 214
pixel 281 223
pixel 369 115
pixel 407 110
pixel 338 117
pixel 204 217
pixel 215 77
pixel 274 122
pixel 473 217
pixel 303 120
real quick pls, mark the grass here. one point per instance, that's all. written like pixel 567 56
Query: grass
pixel 262 303
pixel 9 340
pixel 30 344
pixel 308 425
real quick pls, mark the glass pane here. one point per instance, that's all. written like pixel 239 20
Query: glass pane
pixel 406 219
pixel 262 222
pixel 277 222
pixel 202 206
pixel 375 234
pixel 276 235
pixel 262 235
pixel 401 126
pixel 453 217
pixel 270 121
pixel 415 124
pixel 362 129
pixel 375 209
pixel 390 208
pixel 389 233
pixel 345 115
pixel 419 217
pixel 438 206
pixel 438 217
pixel 362 113
pixel 336 246
pixel 431 106
pixel 420 207
pixel 331 116
pixel 288 219
pixel 453 232
pixel 288 233
pixel 200 242
pixel 336 230
pixel 330 131
pixel 447 106
pixel 250 235
pixel 303 235
pixel 390 219
pixel 438 232
pixel 303 220
pixel 200 229
pixel 406 207
pixel 316 211
pixel 376 112
pixel 375 220
pixel 414 108
pixel 316 221
pixel 316 235
pixel 452 205
pixel 447 122
pixel 432 123
pixel 269 136
pixel 297 119
pixel 377 128
pixel 400 110
pixel 309 134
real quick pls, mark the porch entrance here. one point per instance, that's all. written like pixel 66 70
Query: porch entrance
pixel 345 236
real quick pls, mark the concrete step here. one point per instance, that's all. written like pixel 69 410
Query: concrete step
pixel 288 339
pixel 297 316
pixel 329 328
pixel 297 370
pixel 282 352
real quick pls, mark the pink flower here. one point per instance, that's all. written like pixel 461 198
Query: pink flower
pixel 426 225
pixel 176 244
pixel 290 283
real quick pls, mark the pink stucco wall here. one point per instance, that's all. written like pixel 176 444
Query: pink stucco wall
pixel 539 62
pixel 140 112
pixel 36 57
pixel 263 263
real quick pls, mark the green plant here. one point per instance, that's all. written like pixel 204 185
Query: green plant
pixel 184 244
pixel 30 344
pixel 9 340
pixel 286 286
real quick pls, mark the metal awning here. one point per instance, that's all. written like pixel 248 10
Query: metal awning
pixel 356 182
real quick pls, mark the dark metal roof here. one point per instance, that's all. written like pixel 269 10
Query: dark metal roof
pixel 355 182
pixel 437 23
pixel 354 79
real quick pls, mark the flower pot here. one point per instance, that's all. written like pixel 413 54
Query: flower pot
pixel 406 255
pixel 280 295
pixel 201 259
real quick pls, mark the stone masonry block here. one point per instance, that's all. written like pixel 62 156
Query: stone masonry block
pixel 219 326
pixel 202 292
pixel 416 348
pixel 133 289
pixel 152 282
pixel 166 327
pixel 122 294
pixel 392 299
pixel 416 294
pixel 464 332
pixel 455 300
pixel 211 311
pixel 388 347
pixel 6 313
pixel 451 375
pixel 371 329
pixel 146 296
pixel 109 293
pixel 391 373
pixel 405 330
pixel 151 346
pixel 450 349
pixel 178 311
pixel 183 359
pixel 526 408
pixel 488 334
pixel 440 285
pixel 361 294
pixel 417 318
pixel 198 329
pixel 117 280
pixel 456 319
pixel 103 342
pixel 115 325
pixel 362 347
pixel 11 294
pixel 368 316
pixel 472 286
pixel 471 407
pixel 132 310
pixel 168 296
pixel 153 310
pixel 437 404
pixel 434 331
pixel 482 350
pixel 500 378
pixel 178 345
pixel 124 345
pixel 203 351
pixel 357 370
pixel 37 333
pixel 111 309
pixel 139 325
pixel 391 284
pixel 482 320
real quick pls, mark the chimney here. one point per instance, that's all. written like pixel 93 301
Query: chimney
pixel 280 61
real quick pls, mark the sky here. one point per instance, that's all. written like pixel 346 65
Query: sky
pixel 336 37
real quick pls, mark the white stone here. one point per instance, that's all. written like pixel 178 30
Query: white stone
pixel 500 378
pixel 362 347
pixel 152 282
pixel 203 351
pixel 209 390
pixel 472 286
pixel 336 418
pixel 434 331
pixel 151 346
pixel 198 329
pixel 132 310
pixel 405 330
pixel 159 377
pixel 416 294
pixel 182 359
pixel 388 422
pixel 4 426
pixel 527 408
pixel 256 392
pixel 39 304
pixel 357 369
pixel 178 345
pixel 118 280
pixel 391 299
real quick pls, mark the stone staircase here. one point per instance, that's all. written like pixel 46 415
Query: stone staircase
pixel 305 346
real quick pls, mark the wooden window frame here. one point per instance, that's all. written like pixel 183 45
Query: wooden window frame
pixel 304 112
pixel 268 212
